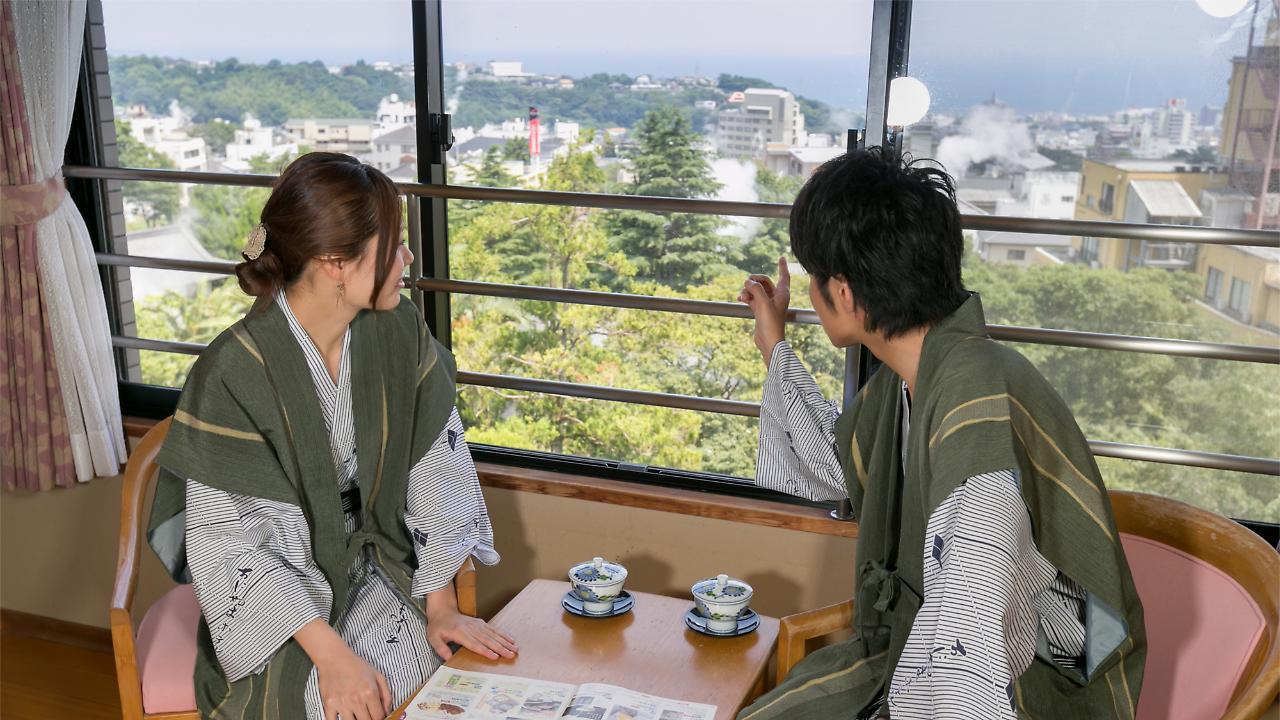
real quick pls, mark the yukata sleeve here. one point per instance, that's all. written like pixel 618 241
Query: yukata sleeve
pixel 976 632
pixel 253 573
pixel 445 511
pixel 797 453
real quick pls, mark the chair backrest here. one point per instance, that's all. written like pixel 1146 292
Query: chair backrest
pixel 1210 590
pixel 139 473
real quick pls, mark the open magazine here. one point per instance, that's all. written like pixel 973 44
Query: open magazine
pixel 481 696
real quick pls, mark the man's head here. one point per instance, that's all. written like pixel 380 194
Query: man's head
pixel 882 244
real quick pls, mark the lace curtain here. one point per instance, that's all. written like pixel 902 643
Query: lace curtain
pixel 49 39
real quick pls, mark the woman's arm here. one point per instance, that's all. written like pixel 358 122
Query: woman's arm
pixel 448 522
pixel 253 573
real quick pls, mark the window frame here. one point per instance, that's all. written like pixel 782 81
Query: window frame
pixel 890 42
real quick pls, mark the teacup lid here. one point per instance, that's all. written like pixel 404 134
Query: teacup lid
pixel 721 588
pixel 597 572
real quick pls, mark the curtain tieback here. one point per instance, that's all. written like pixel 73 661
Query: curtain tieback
pixel 28 204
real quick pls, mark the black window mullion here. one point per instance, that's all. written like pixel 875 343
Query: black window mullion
pixel 428 74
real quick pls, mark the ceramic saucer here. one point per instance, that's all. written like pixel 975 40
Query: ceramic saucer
pixel 573 605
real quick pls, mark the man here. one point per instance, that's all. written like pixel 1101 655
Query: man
pixel 990 580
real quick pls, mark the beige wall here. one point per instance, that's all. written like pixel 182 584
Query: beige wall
pixel 58 552
pixel 1234 262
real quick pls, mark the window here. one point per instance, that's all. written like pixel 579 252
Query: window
pixel 1213 286
pixel 1107 204
pixel 233 97
pixel 1137 146
pixel 605 135
pixel 1238 304
pixel 613 115
pixel 1088 250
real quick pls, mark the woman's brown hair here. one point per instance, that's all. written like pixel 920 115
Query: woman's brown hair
pixel 323 205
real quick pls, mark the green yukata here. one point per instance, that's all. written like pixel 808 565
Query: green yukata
pixel 249 422
pixel 979 410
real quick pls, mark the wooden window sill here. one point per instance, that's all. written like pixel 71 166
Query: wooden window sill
pixel 648 497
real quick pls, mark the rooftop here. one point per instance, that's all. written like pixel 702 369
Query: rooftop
pixel 329 121
pixel 1166 166
pixel 1165 198
pixel 404 135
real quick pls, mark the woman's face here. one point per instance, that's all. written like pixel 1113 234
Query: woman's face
pixel 360 277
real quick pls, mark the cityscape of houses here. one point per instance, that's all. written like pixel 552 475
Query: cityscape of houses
pixel 1171 164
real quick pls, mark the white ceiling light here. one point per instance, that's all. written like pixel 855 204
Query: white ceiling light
pixel 1222 8
pixel 908 101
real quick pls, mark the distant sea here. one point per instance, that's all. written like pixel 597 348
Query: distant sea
pixel 1082 86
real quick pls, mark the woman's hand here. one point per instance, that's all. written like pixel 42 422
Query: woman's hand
pixel 350 688
pixel 448 625
pixel 768 303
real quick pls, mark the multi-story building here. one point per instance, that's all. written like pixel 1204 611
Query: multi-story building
pixel 1142 191
pixel 254 140
pixel 167 135
pixel 396 113
pixel 745 129
pixel 393 149
pixel 1243 282
pixel 344 135
pixel 1249 146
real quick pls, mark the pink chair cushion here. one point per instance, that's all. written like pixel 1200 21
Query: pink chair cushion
pixel 1201 629
pixel 166 648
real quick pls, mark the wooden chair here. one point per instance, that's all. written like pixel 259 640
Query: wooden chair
pixel 178 603
pixel 1246 567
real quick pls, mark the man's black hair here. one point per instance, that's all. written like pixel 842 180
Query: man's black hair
pixel 888 228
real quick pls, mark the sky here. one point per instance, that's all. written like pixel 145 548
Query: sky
pixel 1078 56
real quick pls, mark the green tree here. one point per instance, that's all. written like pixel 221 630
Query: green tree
pixel 1145 398
pixel 491 173
pixel 1202 155
pixel 217 134
pixel 675 250
pixel 198 318
pixel 516 149
pixel 226 214
pixel 1063 160
pixel 272 92
pixel 772 239
pixel 159 201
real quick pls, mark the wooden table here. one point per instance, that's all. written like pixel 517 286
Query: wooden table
pixel 648 649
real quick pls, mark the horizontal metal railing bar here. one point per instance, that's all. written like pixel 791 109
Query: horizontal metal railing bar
pixel 603 392
pixel 1090 228
pixel 219 267
pixel 1009 333
pixel 710 308
pixel 1124 451
pixel 169 346
pixel 1013 333
pixel 1190 458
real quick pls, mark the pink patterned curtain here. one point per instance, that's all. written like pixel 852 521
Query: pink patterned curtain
pixel 35 447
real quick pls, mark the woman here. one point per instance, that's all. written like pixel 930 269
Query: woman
pixel 315 484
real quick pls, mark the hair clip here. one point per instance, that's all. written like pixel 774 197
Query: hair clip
pixel 257 242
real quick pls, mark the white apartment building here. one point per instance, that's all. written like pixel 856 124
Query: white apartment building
pixel 254 141
pixel 764 116
pixel 396 113
pixel 163 135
